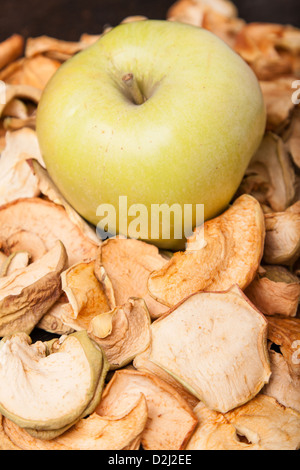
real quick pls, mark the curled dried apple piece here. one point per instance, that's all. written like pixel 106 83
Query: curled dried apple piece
pixel 260 424
pixel 47 222
pixel 170 419
pixel 214 343
pixel 229 251
pixel 292 137
pixel 48 387
pixel 27 293
pixel 123 332
pixel 270 176
pixel 17 181
pixel 275 291
pixel 11 49
pixel 93 433
pixel 20 91
pixel 282 244
pixel 87 296
pixel 128 263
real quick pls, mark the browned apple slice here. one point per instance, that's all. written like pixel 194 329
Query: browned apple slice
pixel 224 251
pixel 93 433
pixel 215 345
pixel 27 293
pixel 53 321
pixel 275 290
pixel 21 91
pixel 170 419
pixel 87 296
pixel 128 264
pixel 260 424
pixel 123 332
pixel 47 222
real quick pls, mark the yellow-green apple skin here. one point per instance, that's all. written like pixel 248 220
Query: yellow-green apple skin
pixel 190 142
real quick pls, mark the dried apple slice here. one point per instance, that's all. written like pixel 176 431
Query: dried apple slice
pixel 229 251
pixel 284 385
pixel 214 343
pixel 48 188
pixel 87 296
pixel 260 424
pixel 20 91
pixel 17 260
pixel 48 222
pixel 93 433
pixel 282 244
pixel 27 293
pixel 123 332
pixel 170 419
pixel 128 264
pixel 270 176
pixel 292 137
pixel 275 291
pixel 11 49
pixel 17 180
pixel 47 388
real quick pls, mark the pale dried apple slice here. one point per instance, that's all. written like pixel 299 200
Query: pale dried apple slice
pixel 170 419
pixel 260 424
pixel 276 291
pixel 87 295
pixel 49 222
pixel 27 293
pixel 16 179
pixel 270 176
pixel 292 137
pixel 17 260
pixel 282 244
pixel 93 433
pixel 47 388
pixel 214 343
pixel 128 263
pixel 229 252
pixel 48 188
pixel 5 442
pixel 123 332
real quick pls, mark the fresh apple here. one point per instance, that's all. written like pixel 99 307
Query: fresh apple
pixel 155 111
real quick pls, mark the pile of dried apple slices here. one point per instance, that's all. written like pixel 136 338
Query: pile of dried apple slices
pixel 198 349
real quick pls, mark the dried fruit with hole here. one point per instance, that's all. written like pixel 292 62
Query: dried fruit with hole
pixel 260 424
pixel 223 251
pixel 35 224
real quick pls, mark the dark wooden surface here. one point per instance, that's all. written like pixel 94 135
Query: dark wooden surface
pixel 67 19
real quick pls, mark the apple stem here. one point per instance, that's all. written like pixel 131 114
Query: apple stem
pixel 132 86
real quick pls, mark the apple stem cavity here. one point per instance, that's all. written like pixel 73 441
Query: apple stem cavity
pixel 131 85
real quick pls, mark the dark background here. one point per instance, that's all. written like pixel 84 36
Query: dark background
pixel 68 19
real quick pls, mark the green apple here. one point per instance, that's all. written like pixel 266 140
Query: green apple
pixel 159 112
